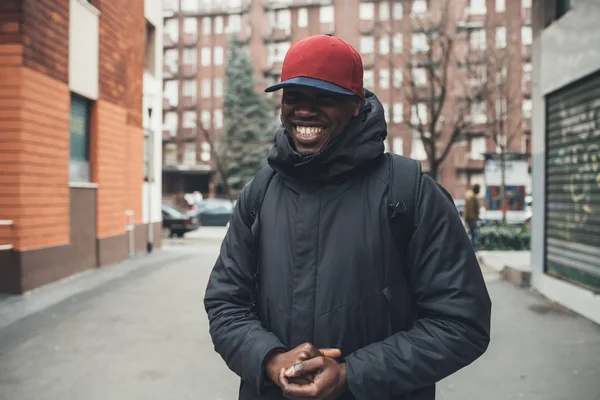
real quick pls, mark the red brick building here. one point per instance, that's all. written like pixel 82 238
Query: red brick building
pixel 196 35
pixel 71 137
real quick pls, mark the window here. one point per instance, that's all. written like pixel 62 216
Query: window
pixel 501 37
pixel 478 39
pixel 218 25
pixel 326 15
pixel 302 18
pixel 205 119
pixel 398 10
pixel 189 88
pixel 205 57
pixel 398 43
pixel 189 56
pixel 171 93
pixel 205 88
pixel 526 35
pixel 477 7
pixel 190 28
pixel 234 23
pixel 367 44
pixel 478 114
pixel 478 147
pixel 189 154
pixel 367 11
pixel 419 114
pixel 398 77
pixel 150 49
pixel 170 123
pixel 172 30
pixel 79 153
pixel 500 6
pixel 398 117
pixel 206 26
pixel 527 68
pixel 189 5
pixel 218 87
pixel 526 3
pixel 384 45
pixel 527 108
pixel 419 6
pixel 419 76
pixel 384 78
pixel 397 143
pixel 419 43
pixel 170 151
pixel 218 119
pixel 189 119
pixel 384 11
pixel 205 154
pixel 369 79
pixel 284 19
pixel 218 55
pixel 417 150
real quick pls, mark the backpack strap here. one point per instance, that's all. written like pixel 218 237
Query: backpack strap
pixel 256 194
pixel 405 181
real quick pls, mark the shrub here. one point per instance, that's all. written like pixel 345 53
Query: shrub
pixel 504 237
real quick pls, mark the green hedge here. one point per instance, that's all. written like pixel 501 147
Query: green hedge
pixel 504 237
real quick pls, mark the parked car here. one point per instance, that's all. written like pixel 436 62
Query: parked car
pixel 214 212
pixel 176 223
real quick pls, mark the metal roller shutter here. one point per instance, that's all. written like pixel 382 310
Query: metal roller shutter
pixel 573 183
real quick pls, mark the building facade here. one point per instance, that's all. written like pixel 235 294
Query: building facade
pixel 72 142
pixel 196 36
pixel 566 154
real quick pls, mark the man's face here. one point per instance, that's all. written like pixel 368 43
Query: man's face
pixel 315 117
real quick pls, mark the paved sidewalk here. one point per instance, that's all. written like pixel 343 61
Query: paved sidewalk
pixel 143 334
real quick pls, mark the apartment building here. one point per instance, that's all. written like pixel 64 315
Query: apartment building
pixel 76 188
pixel 384 32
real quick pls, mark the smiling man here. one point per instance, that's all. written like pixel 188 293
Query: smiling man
pixel 345 273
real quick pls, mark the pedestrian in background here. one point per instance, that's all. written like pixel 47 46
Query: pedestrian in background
pixel 471 213
pixel 346 272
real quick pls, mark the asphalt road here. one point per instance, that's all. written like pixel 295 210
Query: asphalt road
pixel 139 331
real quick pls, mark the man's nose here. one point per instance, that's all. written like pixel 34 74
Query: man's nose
pixel 305 110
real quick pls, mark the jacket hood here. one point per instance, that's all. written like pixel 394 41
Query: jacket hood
pixel 361 142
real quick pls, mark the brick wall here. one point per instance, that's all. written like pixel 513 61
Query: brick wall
pixel 45 32
pixel 10 21
pixel 135 171
pixel 122 35
pixel 34 151
pixel 109 147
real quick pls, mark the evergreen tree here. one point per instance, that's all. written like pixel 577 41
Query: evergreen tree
pixel 249 121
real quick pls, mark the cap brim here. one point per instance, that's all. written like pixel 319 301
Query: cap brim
pixel 312 83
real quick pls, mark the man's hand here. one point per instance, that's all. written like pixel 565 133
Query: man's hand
pixel 278 361
pixel 328 382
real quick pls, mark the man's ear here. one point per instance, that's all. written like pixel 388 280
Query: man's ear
pixel 357 107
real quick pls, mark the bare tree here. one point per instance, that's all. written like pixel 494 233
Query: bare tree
pixel 502 98
pixel 220 159
pixel 441 102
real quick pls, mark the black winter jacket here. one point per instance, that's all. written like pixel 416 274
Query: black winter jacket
pixel 331 274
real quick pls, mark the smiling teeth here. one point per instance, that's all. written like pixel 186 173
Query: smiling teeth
pixel 308 130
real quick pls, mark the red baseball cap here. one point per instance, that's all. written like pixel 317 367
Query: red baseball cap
pixel 323 62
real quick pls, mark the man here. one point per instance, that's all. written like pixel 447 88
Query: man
pixel 471 213
pixel 316 299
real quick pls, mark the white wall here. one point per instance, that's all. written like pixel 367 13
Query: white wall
pixel 83 49
pixel 565 52
pixel 153 97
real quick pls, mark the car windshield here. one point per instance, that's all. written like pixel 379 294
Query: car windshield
pixel 173 212
pixel 215 205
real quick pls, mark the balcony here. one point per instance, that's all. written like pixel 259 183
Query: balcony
pixel 222 7
pixel 168 105
pixel 188 133
pixel 366 27
pixel 170 72
pixel 190 39
pixel 526 124
pixel 279 4
pixel 169 41
pixel 526 52
pixel 190 70
pixel 188 102
pixel 169 135
pixel 526 88
pixel 274 69
pixel 470 164
pixel 368 60
pixel 279 35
